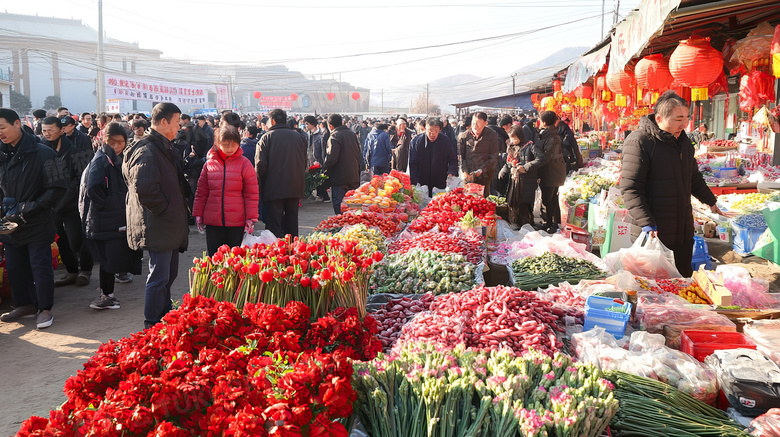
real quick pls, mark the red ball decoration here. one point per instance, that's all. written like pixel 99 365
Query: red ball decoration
pixel 294 96
pixel 556 85
pixel 257 94
pixel 584 91
pixel 652 73
pixel 621 82
pixel 355 95
pixel 695 64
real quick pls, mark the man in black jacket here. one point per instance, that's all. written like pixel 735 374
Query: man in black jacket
pixel 571 150
pixel 658 176
pixel 431 158
pixel 31 182
pixel 342 160
pixel 72 163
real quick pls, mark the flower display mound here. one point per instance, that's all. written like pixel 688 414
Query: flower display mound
pixel 209 370
pixel 322 273
pixel 427 390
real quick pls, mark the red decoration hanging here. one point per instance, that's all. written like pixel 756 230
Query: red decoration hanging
pixel 652 73
pixel 621 82
pixel 602 88
pixel 584 91
pixel 695 64
pixel 355 95
pixel 257 94
pixel 755 89
pixel 535 98
pixel 330 96
pixel 556 85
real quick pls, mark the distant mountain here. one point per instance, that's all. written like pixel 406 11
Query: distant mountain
pixel 529 75
pixel 454 80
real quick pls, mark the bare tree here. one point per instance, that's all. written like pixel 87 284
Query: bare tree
pixel 419 106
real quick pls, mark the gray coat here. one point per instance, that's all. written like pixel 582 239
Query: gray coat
pixel 156 207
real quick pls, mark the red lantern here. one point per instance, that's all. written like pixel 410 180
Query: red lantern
pixel 294 96
pixel 556 85
pixel 355 95
pixel 257 94
pixel 652 72
pixel 535 98
pixel 330 96
pixel 584 91
pixel 621 82
pixel 601 86
pixel 695 64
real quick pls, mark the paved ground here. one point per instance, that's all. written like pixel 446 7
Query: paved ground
pixel 34 364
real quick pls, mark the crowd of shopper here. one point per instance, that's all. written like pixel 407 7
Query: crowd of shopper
pixel 109 187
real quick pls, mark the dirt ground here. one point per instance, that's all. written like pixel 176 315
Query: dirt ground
pixel 34 364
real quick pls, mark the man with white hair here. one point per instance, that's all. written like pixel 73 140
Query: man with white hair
pixel 400 140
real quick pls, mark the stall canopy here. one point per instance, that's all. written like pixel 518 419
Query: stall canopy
pixel 585 67
pixel 513 101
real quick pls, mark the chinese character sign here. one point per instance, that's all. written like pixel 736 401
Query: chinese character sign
pixel 271 102
pixel 223 102
pixel 125 88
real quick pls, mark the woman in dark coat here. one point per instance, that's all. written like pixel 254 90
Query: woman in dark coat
pixel 523 161
pixel 102 208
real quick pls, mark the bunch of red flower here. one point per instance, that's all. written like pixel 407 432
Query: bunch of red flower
pixel 388 224
pixel 324 274
pixel 468 244
pixel 208 370
pixel 314 167
pixel 446 210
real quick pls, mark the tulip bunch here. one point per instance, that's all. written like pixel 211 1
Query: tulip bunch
pixel 323 274
pixel 209 370
pixel 426 390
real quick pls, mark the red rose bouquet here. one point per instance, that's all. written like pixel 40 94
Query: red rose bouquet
pixel 210 370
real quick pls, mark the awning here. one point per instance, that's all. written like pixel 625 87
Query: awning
pixel 512 101
pixel 634 33
pixel 584 68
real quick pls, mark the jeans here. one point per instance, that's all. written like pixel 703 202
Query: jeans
pixel 337 196
pixel 30 274
pixel 216 236
pixel 281 216
pixel 380 170
pixel 163 268
pixel 72 242
pixel 551 208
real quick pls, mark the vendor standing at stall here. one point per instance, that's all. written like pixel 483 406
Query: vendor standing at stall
pixel 658 175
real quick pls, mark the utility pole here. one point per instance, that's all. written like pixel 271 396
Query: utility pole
pixel 101 85
pixel 427 93
pixel 603 5
pixel 617 12
pixel 513 82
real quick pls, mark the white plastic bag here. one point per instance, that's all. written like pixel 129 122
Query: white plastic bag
pixel 647 257
pixel 265 237
pixel 454 182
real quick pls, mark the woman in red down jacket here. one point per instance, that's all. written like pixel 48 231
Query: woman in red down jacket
pixel 227 194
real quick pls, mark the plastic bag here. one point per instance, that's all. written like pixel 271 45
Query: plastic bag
pixel 746 292
pixel 265 237
pixel 755 45
pixel 505 232
pixel 766 335
pixel 454 182
pixel 647 357
pixel 672 320
pixel 766 425
pixel 647 257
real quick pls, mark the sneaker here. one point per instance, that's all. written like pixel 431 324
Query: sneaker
pixel 45 319
pixel 83 278
pixel 18 313
pixel 123 278
pixel 68 279
pixel 105 302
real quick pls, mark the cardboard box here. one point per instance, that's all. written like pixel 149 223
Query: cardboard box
pixel 718 294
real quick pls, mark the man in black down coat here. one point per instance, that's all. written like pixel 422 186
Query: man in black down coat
pixel 281 163
pixel 658 176
pixel 431 158
pixel 31 182
pixel 342 160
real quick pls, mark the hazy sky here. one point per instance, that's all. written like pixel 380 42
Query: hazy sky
pixel 488 39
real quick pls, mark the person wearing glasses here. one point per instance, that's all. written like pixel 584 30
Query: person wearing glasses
pixel 31 185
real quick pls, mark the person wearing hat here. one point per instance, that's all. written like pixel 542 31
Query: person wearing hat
pixel 66 214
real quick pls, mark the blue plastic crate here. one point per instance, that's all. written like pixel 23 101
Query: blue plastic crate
pixel 745 238
pixel 596 315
